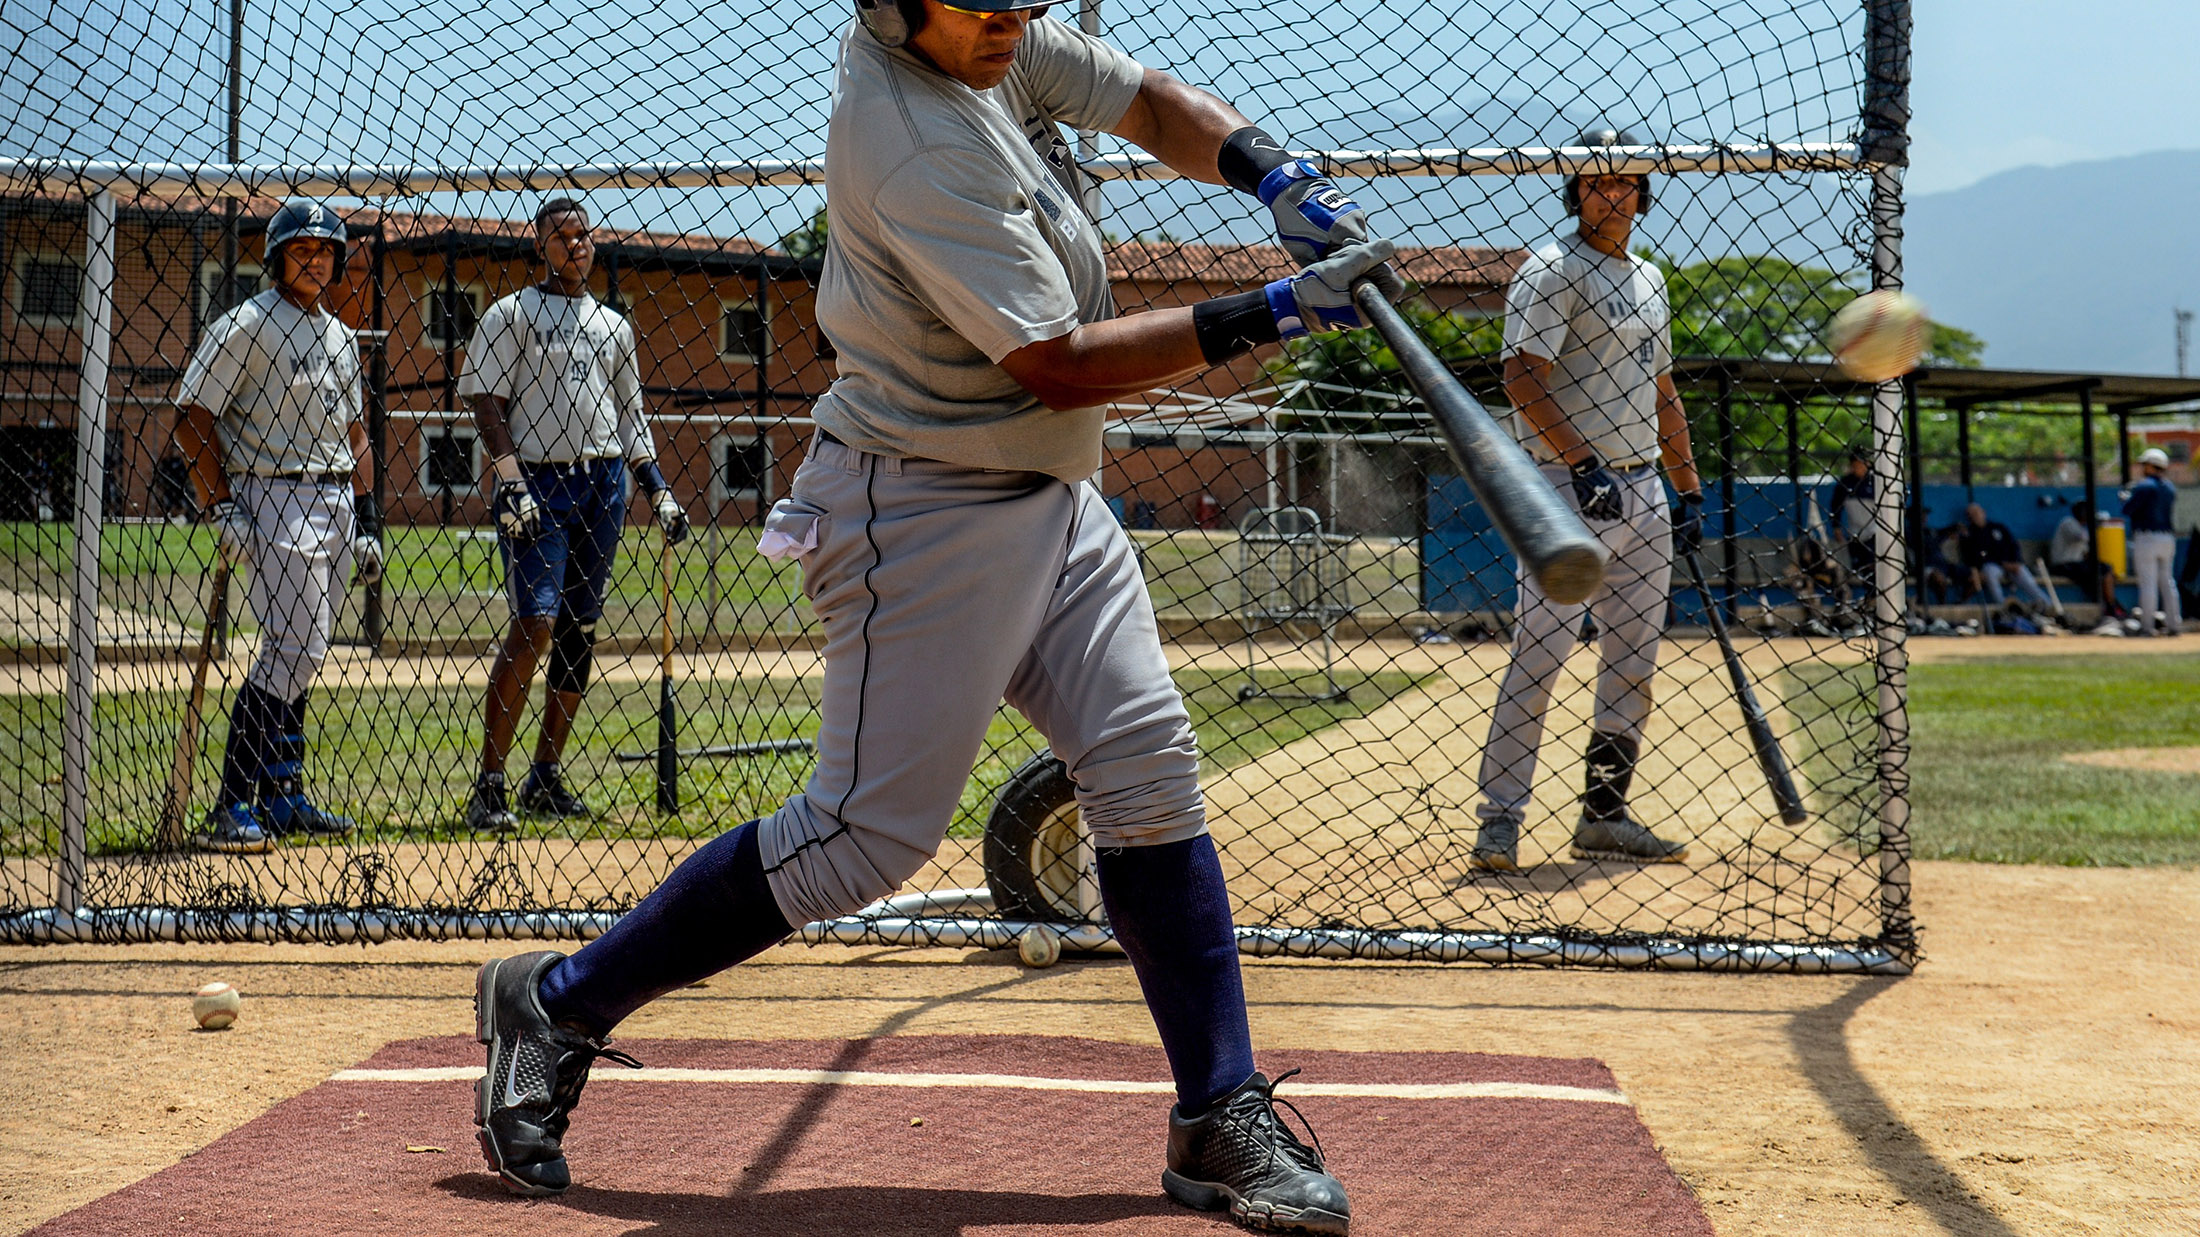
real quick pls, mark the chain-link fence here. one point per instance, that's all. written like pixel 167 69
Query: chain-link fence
pixel 1341 616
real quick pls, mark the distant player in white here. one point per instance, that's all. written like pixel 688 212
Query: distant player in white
pixel 1588 368
pixel 278 453
pixel 554 377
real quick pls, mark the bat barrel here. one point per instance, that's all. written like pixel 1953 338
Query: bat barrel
pixel 1559 551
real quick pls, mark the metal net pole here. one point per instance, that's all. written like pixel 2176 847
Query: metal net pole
pixel 93 318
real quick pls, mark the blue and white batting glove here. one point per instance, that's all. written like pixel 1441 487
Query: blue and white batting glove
pixel 1313 217
pixel 232 529
pixel 1319 298
pixel 671 517
pixel 366 560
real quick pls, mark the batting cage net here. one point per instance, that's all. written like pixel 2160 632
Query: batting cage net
pixel 1370 694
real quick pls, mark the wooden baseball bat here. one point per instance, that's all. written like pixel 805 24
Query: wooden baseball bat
pixel 668 721
pixel 1565 558
pixel 177 802
pixel 1771 758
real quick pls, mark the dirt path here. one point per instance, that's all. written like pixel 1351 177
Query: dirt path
pixel 2034 1077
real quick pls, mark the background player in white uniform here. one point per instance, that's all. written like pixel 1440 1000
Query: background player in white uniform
pixel 271 427
pixel 1588 360
pixel 556 387
pixel 957 554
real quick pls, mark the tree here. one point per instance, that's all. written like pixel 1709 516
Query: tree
pixel 807 241
pixel 1356 372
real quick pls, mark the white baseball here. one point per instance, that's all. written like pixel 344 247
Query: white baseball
pixel 216 1005
pixel 1039 947
pixel 1879 336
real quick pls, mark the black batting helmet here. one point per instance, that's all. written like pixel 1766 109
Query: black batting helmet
pixel 1605 136
pixel 894 22
pixel 300 219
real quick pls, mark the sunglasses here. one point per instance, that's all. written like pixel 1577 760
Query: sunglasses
pixel 981 14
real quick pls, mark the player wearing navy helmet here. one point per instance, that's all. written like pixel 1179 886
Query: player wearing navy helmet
pixel 278 454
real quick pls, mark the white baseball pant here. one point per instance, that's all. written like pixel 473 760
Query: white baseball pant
pixel 2153 562
pixel 301 561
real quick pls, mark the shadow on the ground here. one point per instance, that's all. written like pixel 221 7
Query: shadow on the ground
pixel 836 1211
pixel 1820 1038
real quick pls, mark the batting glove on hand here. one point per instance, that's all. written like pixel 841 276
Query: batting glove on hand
pixel 518 515
pixel 1597 491
pixel 1313 217
pixel 670 516
pixel 1319 298
pixel 1688 524
pixel 366 559
pixel 233 526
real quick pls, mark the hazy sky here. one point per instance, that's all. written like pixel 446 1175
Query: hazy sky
pixel 2005 83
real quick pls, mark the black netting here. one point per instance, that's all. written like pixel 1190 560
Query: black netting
pixel 1335 602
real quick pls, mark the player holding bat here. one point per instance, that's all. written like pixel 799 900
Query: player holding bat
pixel 957 555
pixel 1588 361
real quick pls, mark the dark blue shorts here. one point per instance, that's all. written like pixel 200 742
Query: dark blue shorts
pixel 564 570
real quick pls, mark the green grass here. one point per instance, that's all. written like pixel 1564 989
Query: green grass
pixel 399 760
pixel 1988 782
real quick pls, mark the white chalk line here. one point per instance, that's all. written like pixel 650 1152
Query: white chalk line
pixel 1019 1082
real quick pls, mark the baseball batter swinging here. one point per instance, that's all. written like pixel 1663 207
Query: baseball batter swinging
pixel 956 555
pixel 1588 368
pixel 278 454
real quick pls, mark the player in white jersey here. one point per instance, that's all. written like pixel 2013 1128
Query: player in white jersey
pixel 957 555
pixel 1588 368
pixel 278 453
pixel 555 382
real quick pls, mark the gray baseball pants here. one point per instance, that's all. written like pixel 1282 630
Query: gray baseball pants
pixel 1630 617
pixel 301 561
pixel 944 590
pixel 2153 559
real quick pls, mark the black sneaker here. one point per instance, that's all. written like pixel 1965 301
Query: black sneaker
pixel 232 830
pixel 1240 1156
pixel 485 809
pixel 1497 844
pixel 536 1071
pixel 295 814
pixel 544 794
pixel 1620 838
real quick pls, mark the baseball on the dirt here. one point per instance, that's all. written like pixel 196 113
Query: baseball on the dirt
pixel 1039 947
pixel 1879 336
pixel 216 1005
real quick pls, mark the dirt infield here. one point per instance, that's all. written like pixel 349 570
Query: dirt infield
pixel 2034 1077
pixel 899 1137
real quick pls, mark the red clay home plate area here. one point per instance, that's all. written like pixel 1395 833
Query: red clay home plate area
pixel 919 1136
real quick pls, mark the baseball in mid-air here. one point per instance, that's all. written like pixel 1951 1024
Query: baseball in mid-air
pixel 1879 336
pixel 216 1005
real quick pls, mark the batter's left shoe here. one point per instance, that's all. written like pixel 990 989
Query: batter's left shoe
pixel 1497 844
pixel 536 1071
pixel 1619 838
pixel 1239 1156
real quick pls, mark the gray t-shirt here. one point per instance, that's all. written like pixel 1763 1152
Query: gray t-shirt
pixel 958 237
pixel 2072 544
pixel 1606 326
pixel 283 385
pixel 567 369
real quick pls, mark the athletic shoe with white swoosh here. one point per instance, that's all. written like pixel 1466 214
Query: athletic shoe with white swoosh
pixel 536 1071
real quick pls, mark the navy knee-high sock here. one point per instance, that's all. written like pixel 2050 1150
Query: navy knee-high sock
pixel 254 719
pixel 1171 914
pixel 713 911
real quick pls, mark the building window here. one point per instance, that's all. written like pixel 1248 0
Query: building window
pixel 744 331
pixel 47 289
pixel 451 313
pixel 214 301
pixel 744 472
pixel 450 459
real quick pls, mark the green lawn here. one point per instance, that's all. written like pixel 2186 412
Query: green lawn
pixel 400 761
pixel 1988 782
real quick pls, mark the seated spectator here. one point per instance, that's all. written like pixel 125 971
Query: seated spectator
pixel 1991 554
pixel 2070 557
pixel 2147 510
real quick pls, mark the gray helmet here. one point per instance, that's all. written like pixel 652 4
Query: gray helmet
pixel 894 22
pixel 299 219
pixel 1605 136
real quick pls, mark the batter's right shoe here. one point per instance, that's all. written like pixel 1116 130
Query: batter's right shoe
pixel 1619 838
pixel 1239 1156
pixel 1497 844
pixel 544 794
pixel 485 808
pixel 233 830
pixel 536 1071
